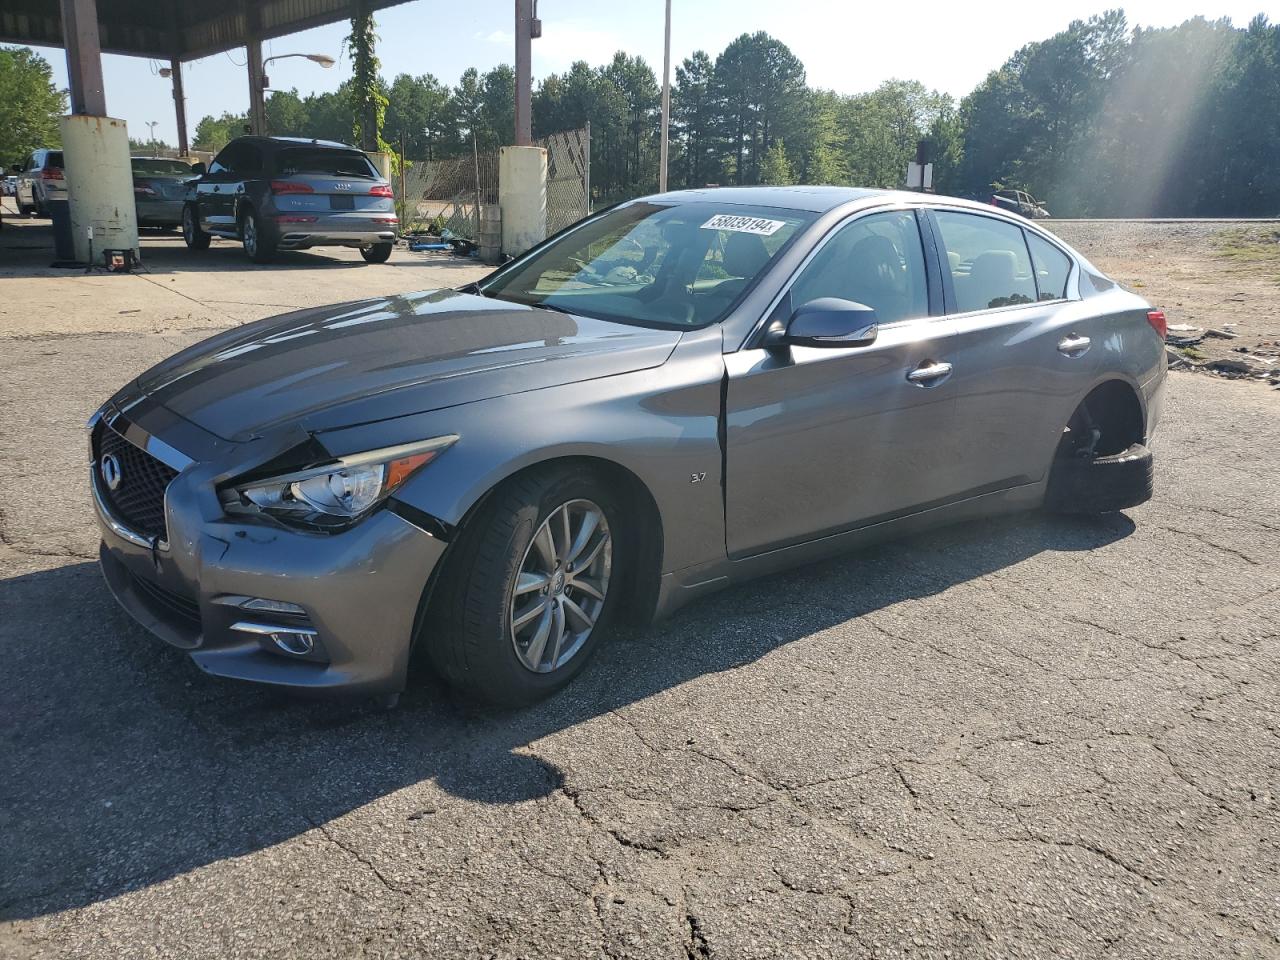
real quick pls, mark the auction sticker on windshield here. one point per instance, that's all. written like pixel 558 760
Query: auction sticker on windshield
pixel 758 225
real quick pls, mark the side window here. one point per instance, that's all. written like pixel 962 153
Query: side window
pixel 224 162
pixel 1052 267
pixel 249 161
pixel 988 261
pixel 877 261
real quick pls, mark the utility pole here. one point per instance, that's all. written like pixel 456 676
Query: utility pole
pixel 528 28
pixel 666 104
pixel 179 105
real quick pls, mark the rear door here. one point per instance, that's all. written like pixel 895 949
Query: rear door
pixel 1023 350
pixel 821 440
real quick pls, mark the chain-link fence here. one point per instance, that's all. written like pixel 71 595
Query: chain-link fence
pixel 568 177
pixel 438 195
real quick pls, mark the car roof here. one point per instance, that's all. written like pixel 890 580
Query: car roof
pixel 281 142
pixel 814 199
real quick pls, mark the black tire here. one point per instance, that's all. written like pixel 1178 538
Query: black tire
pixel 196 239
pixel 377 253
pixel 25 210
pixel 467 628
pixel 1083 485
pixel 259 242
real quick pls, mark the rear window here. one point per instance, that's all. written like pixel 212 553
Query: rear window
pixel 325 163
pixel 54 159
pixel 143 167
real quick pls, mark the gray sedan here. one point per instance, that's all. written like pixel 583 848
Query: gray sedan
pixel 680 393
pixel 159 187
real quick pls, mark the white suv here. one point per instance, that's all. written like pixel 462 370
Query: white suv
pixel 39 181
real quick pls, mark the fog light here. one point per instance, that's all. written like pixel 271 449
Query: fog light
pixel 298 641
pixel 294 641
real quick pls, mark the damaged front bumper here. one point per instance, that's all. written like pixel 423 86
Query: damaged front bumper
pixel 261 602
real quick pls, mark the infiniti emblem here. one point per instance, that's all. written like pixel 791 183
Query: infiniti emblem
pixel 110 471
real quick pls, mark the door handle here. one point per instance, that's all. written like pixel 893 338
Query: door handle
pixel 1073 346
pixel 930 374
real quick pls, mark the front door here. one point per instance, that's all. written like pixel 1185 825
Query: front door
pixel 821 440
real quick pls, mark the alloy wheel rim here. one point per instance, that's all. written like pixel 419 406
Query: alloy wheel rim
pixel 250 235
pixel 188 231
pixel 561 587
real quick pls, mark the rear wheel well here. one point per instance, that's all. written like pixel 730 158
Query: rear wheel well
pixel 1109 418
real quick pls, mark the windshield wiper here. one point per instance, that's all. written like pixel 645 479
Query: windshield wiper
pixel 552 306
pixel 473 287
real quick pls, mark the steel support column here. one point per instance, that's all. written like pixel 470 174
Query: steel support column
pixel 84 57
pixel 524 72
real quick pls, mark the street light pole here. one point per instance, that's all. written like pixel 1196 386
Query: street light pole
pixel 666 103
pixel 151 126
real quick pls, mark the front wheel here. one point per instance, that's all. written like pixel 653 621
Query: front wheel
pixel 376 253
pixel 527 594
pixel 196 239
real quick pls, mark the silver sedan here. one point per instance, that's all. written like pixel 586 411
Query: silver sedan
pixel 683 392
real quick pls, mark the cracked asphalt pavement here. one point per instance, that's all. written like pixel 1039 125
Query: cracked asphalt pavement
pixel 1026 738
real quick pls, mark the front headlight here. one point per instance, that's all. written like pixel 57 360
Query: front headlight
pixel 337 493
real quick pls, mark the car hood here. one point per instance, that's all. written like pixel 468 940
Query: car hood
pixel 372 360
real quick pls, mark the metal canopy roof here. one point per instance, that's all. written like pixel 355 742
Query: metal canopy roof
pixel 177 29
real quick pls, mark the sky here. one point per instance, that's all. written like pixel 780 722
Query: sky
pixel 845 46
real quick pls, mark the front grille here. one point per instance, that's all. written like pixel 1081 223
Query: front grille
pixel 138 500
pixel 177 604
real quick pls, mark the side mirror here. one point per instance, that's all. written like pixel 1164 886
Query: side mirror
pixel 831 322
pixel 198 168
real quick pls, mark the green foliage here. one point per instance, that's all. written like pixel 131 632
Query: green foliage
pixel 775 169
pixel 368 98
pixel 214 133
pixel 30 105
pixel 145 147
pixel 417 113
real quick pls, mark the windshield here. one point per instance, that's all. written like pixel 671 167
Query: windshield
pixel 329 163
pixel 159 168
pixel 664 265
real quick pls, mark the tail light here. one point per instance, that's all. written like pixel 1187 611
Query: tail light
pixel 51 173
pixel 380 190
pixel 1158 322
pixel 290 186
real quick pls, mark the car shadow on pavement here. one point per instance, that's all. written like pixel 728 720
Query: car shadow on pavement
pixel 122 765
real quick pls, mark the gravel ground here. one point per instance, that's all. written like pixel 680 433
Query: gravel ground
pixel 1030 738
pixel 1186 269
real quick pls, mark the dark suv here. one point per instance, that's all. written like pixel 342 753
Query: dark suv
pixel 284 193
